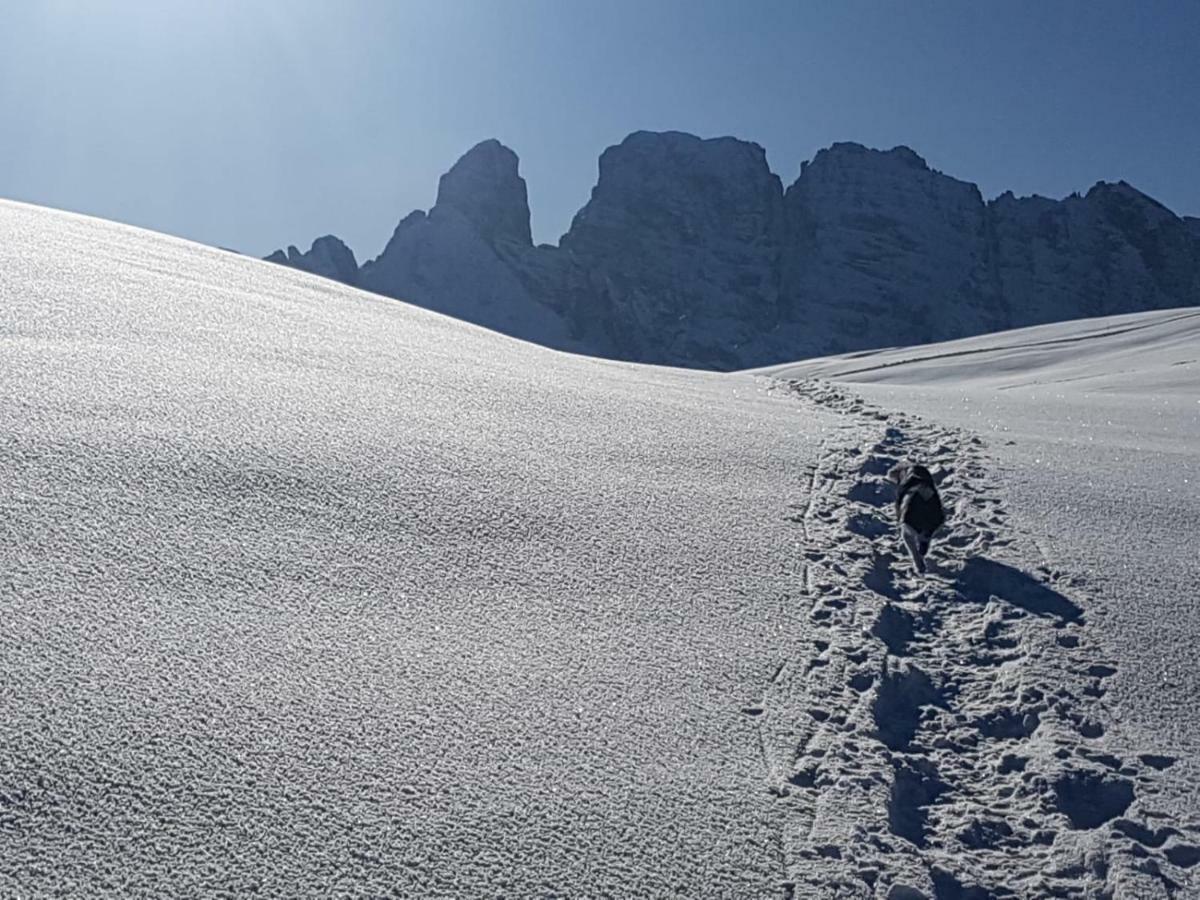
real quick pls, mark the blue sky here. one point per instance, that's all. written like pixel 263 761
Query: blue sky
pixel 257 124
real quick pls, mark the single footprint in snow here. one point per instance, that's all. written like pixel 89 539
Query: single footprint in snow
pixel 1157 761
pixel 1183 855
pixel 1090 798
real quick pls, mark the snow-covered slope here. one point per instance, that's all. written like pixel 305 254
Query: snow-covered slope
pixel 1090 431
pixel 1085 360
pixel 309 592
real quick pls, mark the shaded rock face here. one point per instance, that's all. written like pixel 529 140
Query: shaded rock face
pixel 690 253
pixel 328 257
pixel 468 256
pixel 485 189
pixel 1113 250
pixel 680 242
pixel 882 250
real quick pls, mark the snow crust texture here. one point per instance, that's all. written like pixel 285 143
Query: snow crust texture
pixel 306 592
pixel 690 252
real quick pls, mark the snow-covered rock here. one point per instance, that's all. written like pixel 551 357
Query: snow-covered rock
pixel 328 257
pixel 882 250
pixel 463 258
pixel 681 243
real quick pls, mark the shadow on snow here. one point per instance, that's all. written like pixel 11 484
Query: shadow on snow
pixel 981 579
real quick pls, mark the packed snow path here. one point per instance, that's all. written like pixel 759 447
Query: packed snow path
pixel 940 736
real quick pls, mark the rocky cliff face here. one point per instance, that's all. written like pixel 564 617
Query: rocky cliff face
pixel 1113 250
pixel 680 242
pixel 883 250
pixel 466 257
pixel 485 189
pixel 327 257
pixel 689 252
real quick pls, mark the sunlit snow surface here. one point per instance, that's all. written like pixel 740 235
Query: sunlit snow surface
pixel 1094 426
pixel 1092 431
pixel 309 592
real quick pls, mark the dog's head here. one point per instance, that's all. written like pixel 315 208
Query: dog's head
pixel 906 469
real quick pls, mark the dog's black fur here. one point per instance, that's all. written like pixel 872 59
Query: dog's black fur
pixel 919 510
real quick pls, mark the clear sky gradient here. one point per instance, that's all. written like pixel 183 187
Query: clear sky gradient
pixel 255 124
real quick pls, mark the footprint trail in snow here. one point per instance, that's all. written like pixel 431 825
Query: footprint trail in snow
pixel 942 737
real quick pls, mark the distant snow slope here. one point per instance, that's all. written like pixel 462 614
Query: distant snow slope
pixel 306 592
pixel 1135 354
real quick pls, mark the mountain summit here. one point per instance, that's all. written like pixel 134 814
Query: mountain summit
pixel 691 253
pixel 484 187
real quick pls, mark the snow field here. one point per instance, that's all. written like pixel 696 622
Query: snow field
pixel 306 592
pixel 944 736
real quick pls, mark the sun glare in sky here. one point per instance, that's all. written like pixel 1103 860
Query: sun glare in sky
pixel 254 125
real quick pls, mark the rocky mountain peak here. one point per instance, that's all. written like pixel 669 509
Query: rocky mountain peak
pixel 681 186
pixel 485 188
pixel 1125 195
pixel 673 157
pixel 328 257
pixel 694 228
pixel 690 253
pixel 656 149
pixel 848 155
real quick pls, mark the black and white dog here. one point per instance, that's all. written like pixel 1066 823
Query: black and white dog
pixel 918 508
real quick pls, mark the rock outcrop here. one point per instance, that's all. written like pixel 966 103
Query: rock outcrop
pixel 328 257
pixel 466 256
pixel 881 250
pixel 1113 250
pixel 690 253
pixel 680 242
pixel 485 188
